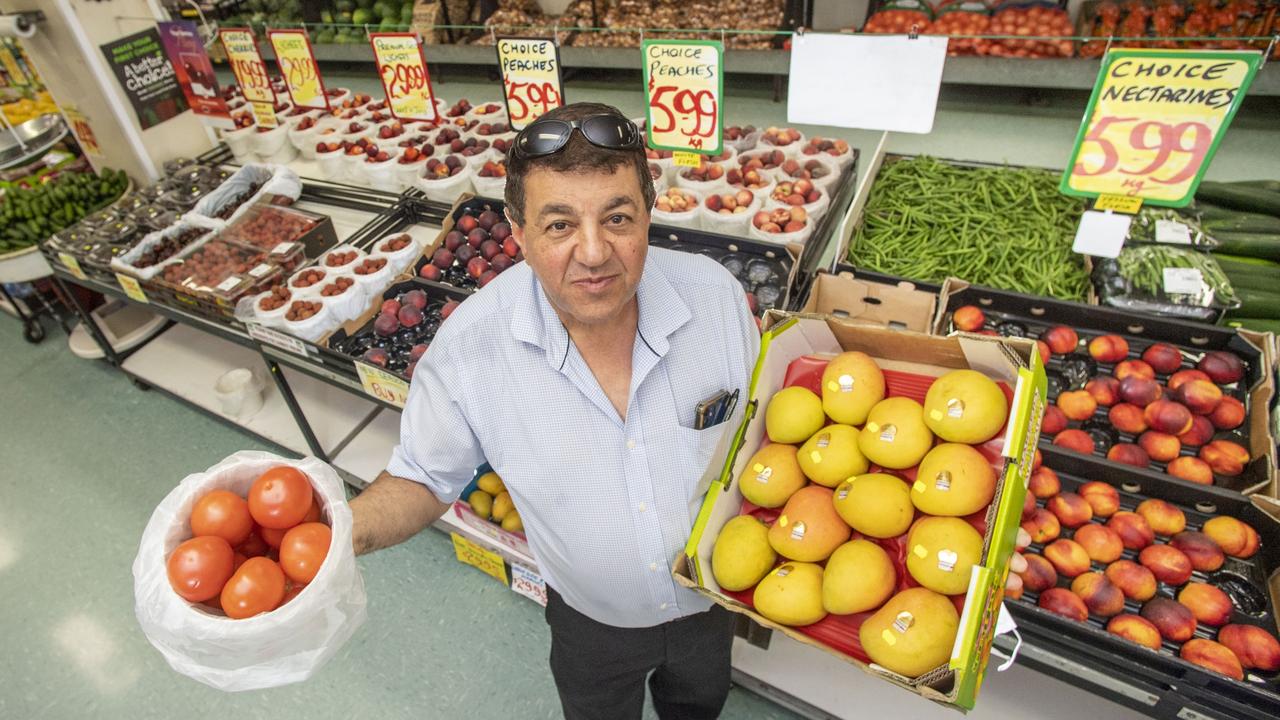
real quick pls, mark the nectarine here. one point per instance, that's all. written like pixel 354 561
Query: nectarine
pixel 1236 538
pixel 1163 358
pixel 1101 542
pixel 1135 629
pixel 1073 439
pixel 1159 446
pixel 1068 557
pixel 1200 549
pixel 1101 597
pixel 1071 509
pixel 1133 529
pixel 1191 469
pixel 1062 601
pixel 1167 563
pixel 1256 648
pixel 1040 574
pixel 1103 498
pixel 1104 389
pixel 1174 621
pixel 1212 656
pixel 1134 580
pixel 1127 418
pixel 1210 605
pixel 1225 457
pixel 1165 518
pixel 1108 348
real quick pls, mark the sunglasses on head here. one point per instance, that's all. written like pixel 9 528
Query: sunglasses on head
pixel 547 137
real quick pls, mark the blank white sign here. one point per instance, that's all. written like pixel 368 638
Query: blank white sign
pixel 870 82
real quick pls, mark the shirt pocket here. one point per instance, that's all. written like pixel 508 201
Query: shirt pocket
pixel 704 451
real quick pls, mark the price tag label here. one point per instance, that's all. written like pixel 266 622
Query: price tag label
pixel 1118 203
pixel 298 65
pixel 1101 233
pixel 1172 232
pixel 380 384
pixel 403 69
pixel 529 584
pixel 685 84
pixel 488 561
pixel 131 287
pixel 686 159
pixel 229 284
pixel 246 63
pixel 1154 122
pixel 1183 281
pixel 72 265
pixel 278 339
pixel 283 248
pixel 264 114
pixel 530 78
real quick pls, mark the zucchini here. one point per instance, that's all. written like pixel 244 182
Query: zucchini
pixel 1272 185
pixel 1232 195
pixel 1257 304
pixel 1250 281
pixel 1242 222
pixel 1243 260
pixel 1256 245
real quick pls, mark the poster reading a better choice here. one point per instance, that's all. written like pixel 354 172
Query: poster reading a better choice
pixel 149 81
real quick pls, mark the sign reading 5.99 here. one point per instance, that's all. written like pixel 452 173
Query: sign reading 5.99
pixel 403 70
pixel 531 82
pixel 685 84
pixel 298 65
pixel 1154 122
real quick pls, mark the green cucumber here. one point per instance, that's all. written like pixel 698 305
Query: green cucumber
pixel 1257 304
pixel 1232 195
pixel 1257 245
pixel 1242 222
pixel 1272 185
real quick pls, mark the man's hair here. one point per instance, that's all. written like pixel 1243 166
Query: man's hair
pixel 578 155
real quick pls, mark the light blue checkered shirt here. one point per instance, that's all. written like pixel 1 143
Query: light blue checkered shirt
pixel 606 504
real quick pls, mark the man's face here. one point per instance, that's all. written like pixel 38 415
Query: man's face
pixel 585 236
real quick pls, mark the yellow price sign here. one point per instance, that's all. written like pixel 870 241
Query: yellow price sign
pixel 402 66
pixel 382 385
pixel 686 159
pixel 531 81
pixel 246 63
pixel 685 84
pixel 132 287
pixel 72 265
pixel 1154 122
pixel 264 114
pixel 1118 203
pixel 488 561
pixel 298 65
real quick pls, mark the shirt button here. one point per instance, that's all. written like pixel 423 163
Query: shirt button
pixel 631 444
pixel 653 567
pixel 642 507
pixel 663 606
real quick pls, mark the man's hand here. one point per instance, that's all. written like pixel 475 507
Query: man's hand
pixel 390 511
pixel 1017 563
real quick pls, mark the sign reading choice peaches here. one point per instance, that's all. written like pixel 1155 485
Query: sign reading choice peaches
pixel 403 69
pixel 685 84
pixel 298 65
pixel 382 385
pixel 1154 122
pixel 251 73
pixel 530 78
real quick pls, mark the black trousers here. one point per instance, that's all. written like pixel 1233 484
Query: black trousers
pixel 600 670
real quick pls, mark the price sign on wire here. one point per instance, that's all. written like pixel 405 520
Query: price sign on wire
pixel 531 83
pixel 1154 122
pixel 403 69
pixel 246 63
pixel 488 561
pixel 382 385
pixel 529 584
pixel 685 84
pixel 132 287
pixel 298 65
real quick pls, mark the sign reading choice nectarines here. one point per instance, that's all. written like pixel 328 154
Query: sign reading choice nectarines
pixel 685 84
pixel 251 73
pixel 298 65
pixel 403 69
pixel 531 83
pixel 1154 122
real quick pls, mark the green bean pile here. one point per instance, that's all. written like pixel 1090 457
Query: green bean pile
pixel 1001 227
pixel 1144 265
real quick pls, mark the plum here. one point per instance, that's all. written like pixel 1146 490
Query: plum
pixel 376 356
pixel 410 316
pixel 416 298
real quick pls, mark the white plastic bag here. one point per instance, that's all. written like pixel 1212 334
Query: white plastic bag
pixel 399 260
pixel 490 187
pixel 240 141
pixel 447 189
pixel 798 236
pixel 317 326
pixel 287 645
pixel 274 179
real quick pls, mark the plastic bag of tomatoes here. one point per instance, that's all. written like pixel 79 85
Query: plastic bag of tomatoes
pixel 1040 21
pixel 899 17
pixel 245 577
pixel 963 17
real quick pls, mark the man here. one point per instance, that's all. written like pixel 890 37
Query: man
pixel 576 375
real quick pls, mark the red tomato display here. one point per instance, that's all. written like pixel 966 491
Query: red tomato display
pixel 199 567
pixel 223 514
pixel 257 587
pixel 280 498
pixel 303 551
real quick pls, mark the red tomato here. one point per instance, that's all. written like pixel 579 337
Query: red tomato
pixel 240 558
pixel 271 537
pixel 224 514
pixel 314 514
pixel 292 592
pixel 280 498
pixel 199 567
pixel 303 551
pixel 257 587
pixel 255 546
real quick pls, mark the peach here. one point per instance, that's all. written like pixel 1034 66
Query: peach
pixel 1140 391
pixel 1108 348
pixel 1163 358
pixel 1042 526
pixel 1256 648
pixel 1212 656
pixel 1169 564
pixel 1184 376
pixel 1159 446
pixel 1135 629
pixel 1133 529
pixel 1028 506
pixel 1062 601
pixel 1134 580
pixel 1101 543
pixel 1072 439
pixel 1236 538
pixel 1071 509
pixel 1164 518
pixel 1168 416
pixel 1099 595
pixel 1225 457
pixel 1127 418
pixel 1077 404
pixel 1210 605
pixel 1104 499
pixel 1200 396
pixel 1044 483
pixel 1104 389
pixel 1174 621
pixel 1134 368
pixel 1229 414
pixel 1191 469
pixel 1200 549
pixel 968 318
pixel 1061 339
pixel 1042 347
pixel 1053 422
pixel 1200 433
pixel 1037 460
pixel 1223 368
pixel 1068 557
pixel 1039 575
pixel 1129 454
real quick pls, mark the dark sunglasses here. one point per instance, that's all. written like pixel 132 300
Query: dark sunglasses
pixel 547 137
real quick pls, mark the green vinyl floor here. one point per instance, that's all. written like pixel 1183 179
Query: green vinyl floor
pixel 85 457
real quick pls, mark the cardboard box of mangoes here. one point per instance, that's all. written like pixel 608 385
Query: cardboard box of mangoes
pixel 870 501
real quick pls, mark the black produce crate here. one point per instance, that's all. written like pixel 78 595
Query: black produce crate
pixel 1248 583
pixel 825 235
pixel 1019 315
pixel 352 346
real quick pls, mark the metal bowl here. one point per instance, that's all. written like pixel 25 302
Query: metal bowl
pixel 37 134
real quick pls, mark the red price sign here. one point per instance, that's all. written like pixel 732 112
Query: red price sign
pixel 1154 122
pixel 685 84
pixel 298 66
pixel 402 66
pixel 530 78
pixel 246 63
